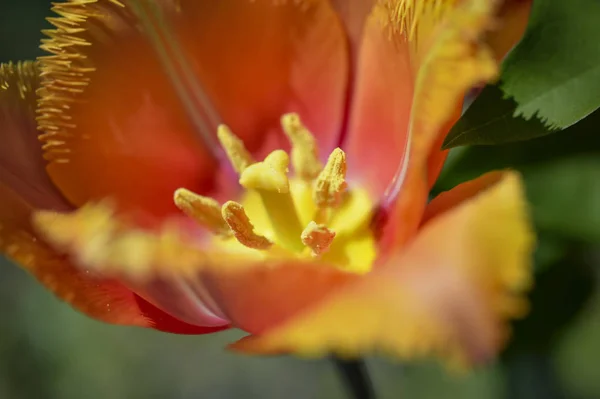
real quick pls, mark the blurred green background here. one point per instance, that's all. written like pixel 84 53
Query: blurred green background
pixel 49 351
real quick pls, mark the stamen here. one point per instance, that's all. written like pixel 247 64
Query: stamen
pixel 235 216
pixel 237 153
pixel 317 237
pixel 331 183
pixel 305 157
pixel 269 175
pixel 204 210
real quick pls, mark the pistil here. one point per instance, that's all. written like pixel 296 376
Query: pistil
pixel 269 179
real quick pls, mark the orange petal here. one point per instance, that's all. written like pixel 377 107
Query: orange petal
pixel 354 13
pixel 448 56
pixel 463 192
pixel 450 60
pixel 437 156
pixel 22 167
pixel 260 297
pixel 450 294
pixel 378 128
pixel 418 59
pixel 175 273
pixel 512 19
pixel 132 94
pixel 101 298
pixel 99 242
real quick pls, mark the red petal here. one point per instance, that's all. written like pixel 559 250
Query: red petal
pixel 163 321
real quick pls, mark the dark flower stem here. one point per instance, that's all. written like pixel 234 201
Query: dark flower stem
pixel 356 378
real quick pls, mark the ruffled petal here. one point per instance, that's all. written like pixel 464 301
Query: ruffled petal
pixel 450 60
pixel 450 294
pixel 101 298
pixel 22 167
pixel 132 94
pixel 174 272
pixel 448 56
pixel 417 60
pixel 512 19
pixel 511 22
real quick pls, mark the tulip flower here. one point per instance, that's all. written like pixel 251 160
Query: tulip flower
pixel 192 166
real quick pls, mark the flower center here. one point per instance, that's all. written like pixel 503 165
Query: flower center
pixel 312 214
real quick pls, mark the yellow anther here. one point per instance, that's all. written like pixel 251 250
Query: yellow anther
pixel 269 175
pixel 331 183
pixel 242 228
pixel 237 153
pixel 317 237
pixel 204 210
pixel 305 157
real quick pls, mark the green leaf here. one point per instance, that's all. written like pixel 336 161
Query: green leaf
pixel 466 163
pixel 550 81
pixel 554 72
pixel 491 120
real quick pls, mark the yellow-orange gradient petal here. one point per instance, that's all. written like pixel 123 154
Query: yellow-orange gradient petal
pixel 450 294
pixel 260 297
pixel 173 271
pixel 448 56
pixel 22 167
pixel 451 198
pixel 134 90
pixel 456 60
pixel 101 298
pixel 512 20
pixel 23 181
pixel 510 23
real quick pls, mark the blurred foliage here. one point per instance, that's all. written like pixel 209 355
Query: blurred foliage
pixel 560 171
pixel 49 351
